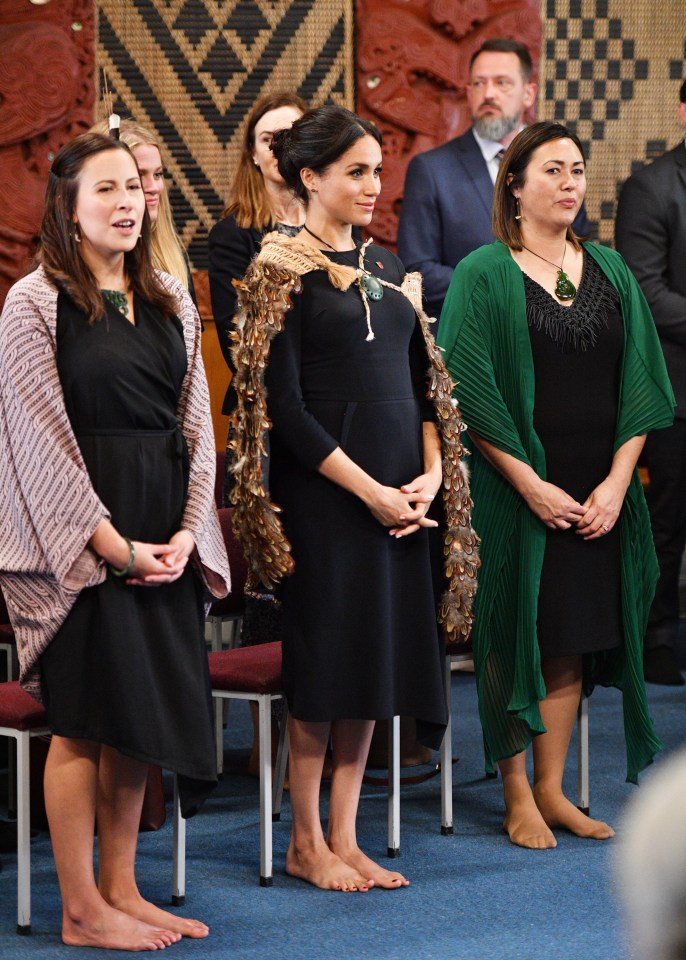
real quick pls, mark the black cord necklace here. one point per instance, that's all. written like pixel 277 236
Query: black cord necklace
pixel 319 239
pixel 564 288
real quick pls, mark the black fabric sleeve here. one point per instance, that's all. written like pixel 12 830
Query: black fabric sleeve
pixel 231 248
pixel 293 426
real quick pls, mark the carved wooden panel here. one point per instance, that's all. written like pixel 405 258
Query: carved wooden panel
pixel 412 72
pixel 46 97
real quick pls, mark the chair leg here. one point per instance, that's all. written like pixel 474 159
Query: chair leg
pixel 179 839
pixel 447 760
pixel 280 768
pixel 265 735
pixel 584 801
pixel 23 833
pixel 394 787
pixel 221 712
pixel 217 637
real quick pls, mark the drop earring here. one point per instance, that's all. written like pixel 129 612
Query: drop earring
pixel 518 214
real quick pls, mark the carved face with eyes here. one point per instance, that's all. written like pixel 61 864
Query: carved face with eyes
pixel 498 95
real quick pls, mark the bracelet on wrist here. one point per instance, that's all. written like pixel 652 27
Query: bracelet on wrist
pixel 127 569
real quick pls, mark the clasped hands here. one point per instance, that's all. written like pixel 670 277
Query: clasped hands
pixel 404 509
pixel 158 563
pixel 593 518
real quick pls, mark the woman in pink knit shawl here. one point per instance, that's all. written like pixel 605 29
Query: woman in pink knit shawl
pixel 110 539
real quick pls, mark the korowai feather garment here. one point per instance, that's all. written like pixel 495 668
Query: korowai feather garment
pixel 264 298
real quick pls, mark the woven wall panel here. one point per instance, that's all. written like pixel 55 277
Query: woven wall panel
pixel 611 70
pixel 191 69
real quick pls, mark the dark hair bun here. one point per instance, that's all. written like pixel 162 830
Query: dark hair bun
pixel 316 140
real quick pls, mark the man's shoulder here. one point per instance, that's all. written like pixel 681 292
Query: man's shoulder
pixel 654 173
pixel 447 151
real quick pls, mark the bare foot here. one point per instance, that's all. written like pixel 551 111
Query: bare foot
pixel 114 930
pixel 386 879
pixel 135 906
pixel 526 827
pixel 558 811
pixel 321 867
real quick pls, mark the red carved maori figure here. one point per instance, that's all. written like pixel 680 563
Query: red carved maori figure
pixel 47 95
pixel 412 71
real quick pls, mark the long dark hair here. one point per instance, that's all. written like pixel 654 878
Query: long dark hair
pixel 59 251
pixel 512 174
pixel 248 200
pixel 316 141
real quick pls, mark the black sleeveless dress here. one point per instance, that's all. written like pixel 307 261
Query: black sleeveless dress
pixel 128 667
pixel 577 353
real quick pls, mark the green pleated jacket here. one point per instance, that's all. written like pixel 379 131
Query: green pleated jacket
pixel 485 336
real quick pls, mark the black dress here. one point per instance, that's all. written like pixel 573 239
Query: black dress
pixel 128 667
pixel 577 352
pixel 360 637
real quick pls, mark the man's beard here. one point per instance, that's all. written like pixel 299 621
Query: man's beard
pixel 495 128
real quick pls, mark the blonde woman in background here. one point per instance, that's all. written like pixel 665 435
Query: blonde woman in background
pixel 168 253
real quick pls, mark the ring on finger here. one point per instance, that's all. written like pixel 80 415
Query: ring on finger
pixel 606 528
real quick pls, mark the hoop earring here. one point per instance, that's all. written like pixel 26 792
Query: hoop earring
pixel 518 214
pixel 76 235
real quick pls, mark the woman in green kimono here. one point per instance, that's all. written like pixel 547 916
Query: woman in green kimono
pixel 559 376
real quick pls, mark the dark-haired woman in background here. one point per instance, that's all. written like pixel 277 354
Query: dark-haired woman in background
pixel 108 477
pixel 355 461
pixel 259 201
pixel 560 375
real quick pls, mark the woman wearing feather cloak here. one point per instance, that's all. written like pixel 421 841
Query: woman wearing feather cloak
pixel 333 352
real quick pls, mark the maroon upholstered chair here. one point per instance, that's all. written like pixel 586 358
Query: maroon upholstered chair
pixel 230 608
pixel 246 673
pixel 22 717
pixel 8 643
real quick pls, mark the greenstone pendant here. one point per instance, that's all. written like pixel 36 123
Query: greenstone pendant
pixel 372 286
pixel 564 288
pixel 117 299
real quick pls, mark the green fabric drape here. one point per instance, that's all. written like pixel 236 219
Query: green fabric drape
pixel 485 336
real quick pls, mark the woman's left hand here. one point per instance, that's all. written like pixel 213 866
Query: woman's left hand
pixel 602 510
pixel 425 487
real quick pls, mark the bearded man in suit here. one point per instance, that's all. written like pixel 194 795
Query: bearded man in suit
pixel 650 233
pixel 446 211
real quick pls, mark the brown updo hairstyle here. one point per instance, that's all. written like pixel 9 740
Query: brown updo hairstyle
pixel 512 174
pixel 60 252
pixel 316 141
pixel 248 201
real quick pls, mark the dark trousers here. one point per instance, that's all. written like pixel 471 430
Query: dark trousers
pixel 665 457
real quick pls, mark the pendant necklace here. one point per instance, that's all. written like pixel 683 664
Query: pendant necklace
pixel 564 288
pixel 369 283
pixel 118 300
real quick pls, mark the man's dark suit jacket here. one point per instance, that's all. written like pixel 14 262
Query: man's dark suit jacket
pixel 446 213
pixel 650 233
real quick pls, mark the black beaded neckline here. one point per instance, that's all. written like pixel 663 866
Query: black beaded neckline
pixel 578 326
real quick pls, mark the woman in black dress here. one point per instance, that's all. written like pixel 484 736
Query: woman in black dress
pixel 560 375
pixel 354 463
pixel 103 383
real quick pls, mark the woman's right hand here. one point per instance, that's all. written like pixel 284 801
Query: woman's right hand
pixel 557 509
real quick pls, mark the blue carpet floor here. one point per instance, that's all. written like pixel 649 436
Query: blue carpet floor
pixel 473 895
